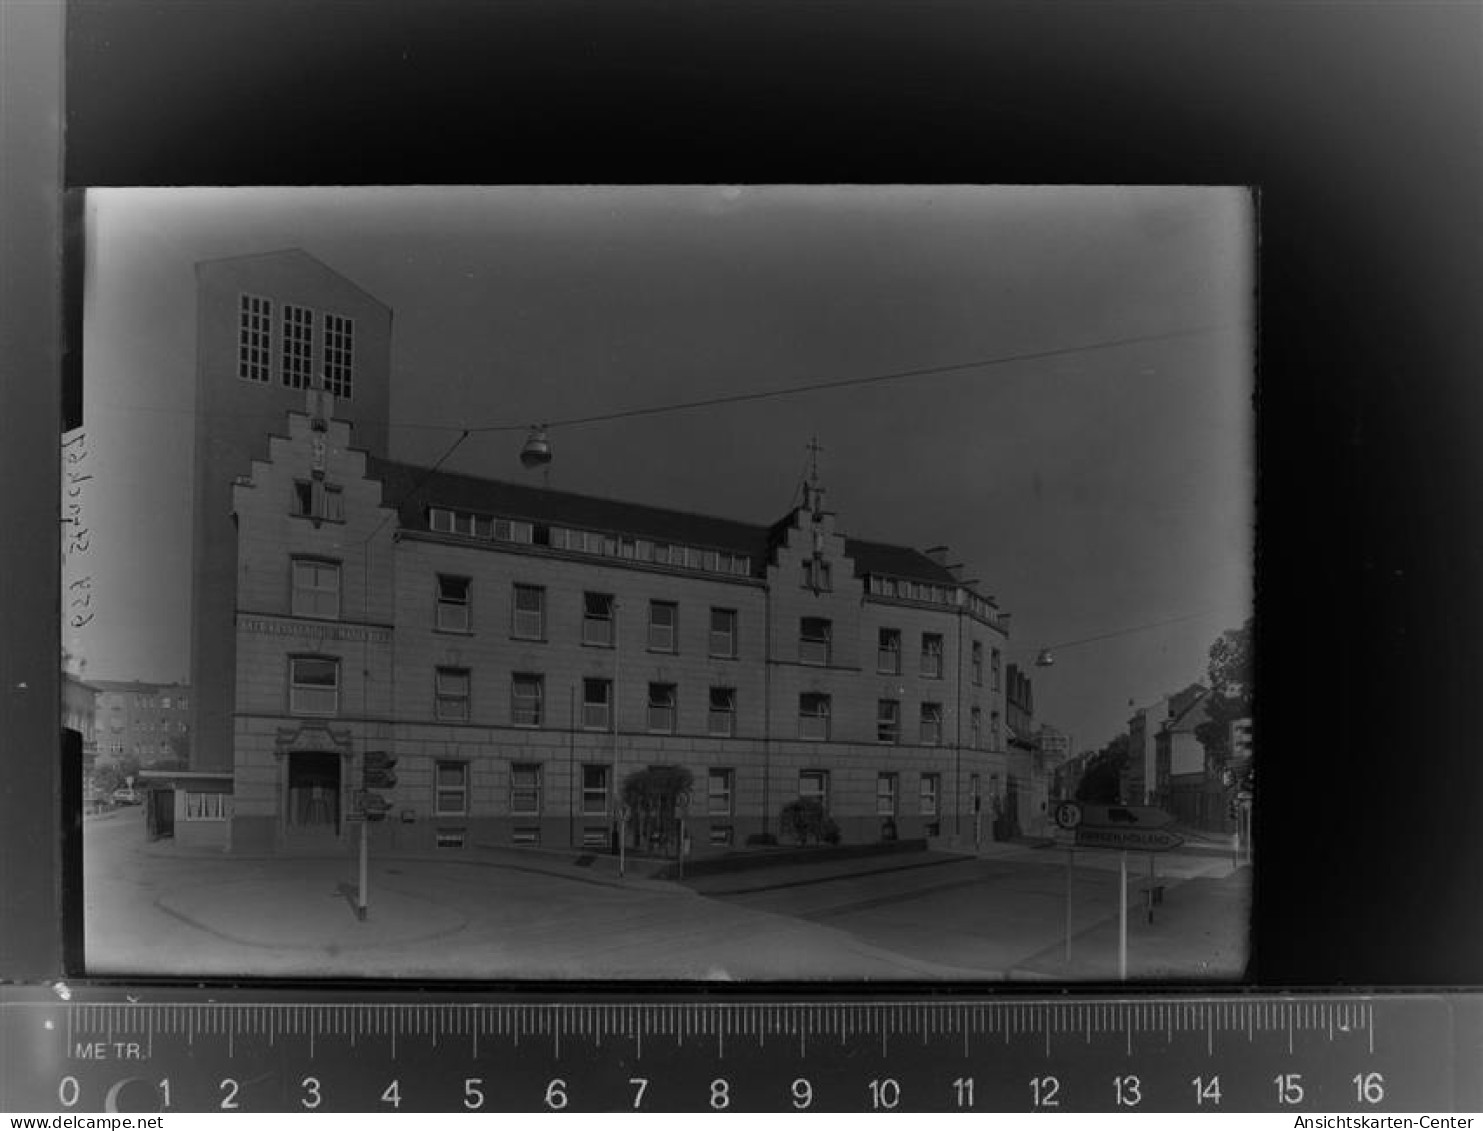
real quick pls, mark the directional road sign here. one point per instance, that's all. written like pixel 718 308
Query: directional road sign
pixel 1124 816
pixel 1130 839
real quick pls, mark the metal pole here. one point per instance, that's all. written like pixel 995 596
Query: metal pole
pixel 617 794
pixel 1148 901
pixel 1122 916
pixel 1070 860
pixel 362 896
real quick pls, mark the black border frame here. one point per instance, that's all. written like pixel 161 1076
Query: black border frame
pixel 1357 123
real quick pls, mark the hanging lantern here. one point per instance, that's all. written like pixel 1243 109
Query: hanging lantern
pixel 1045 659
pixel 537 450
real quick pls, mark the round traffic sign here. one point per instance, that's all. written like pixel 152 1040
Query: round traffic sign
pixel 1068 814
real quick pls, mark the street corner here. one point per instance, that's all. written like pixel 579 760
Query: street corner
pixel 310 915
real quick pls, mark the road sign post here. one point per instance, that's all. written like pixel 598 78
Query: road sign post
pixel 1122 916
pixel 361 896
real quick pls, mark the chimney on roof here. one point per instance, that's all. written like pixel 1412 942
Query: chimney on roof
pixel 938 554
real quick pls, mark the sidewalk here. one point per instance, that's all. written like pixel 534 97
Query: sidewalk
pixel 1208 917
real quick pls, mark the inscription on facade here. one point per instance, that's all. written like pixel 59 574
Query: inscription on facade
pixel 319 630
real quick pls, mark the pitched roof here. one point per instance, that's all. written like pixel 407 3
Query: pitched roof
pixel 413 489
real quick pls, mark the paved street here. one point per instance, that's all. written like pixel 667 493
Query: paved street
pixel 159 909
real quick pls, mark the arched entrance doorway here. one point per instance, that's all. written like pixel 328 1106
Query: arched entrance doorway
pixel 313 795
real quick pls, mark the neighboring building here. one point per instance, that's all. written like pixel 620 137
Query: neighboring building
pixel 79 713
pixel 147 721
pixel 1029 783
pixel 1188 787
pixel 517 652
pixel 1067 775
pixel 1142 774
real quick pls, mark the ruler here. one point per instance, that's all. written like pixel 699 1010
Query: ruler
pixel 162 1049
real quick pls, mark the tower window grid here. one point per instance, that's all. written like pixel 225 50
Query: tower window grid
pixel 298 346
pixel 339 354
pixel 254 338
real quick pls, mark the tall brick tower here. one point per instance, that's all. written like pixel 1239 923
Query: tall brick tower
pixel 268 328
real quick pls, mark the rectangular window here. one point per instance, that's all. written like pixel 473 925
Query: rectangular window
pixel 525 789
pixel 888 652
pixel 529 613
pixel 526 836
pixel 316 588
pixel 314 685
pixel 662 708
pixel 451 789
pixel 994 741
pixel 813 640
pixel 930 789
pixel 813 717
pixel 207 806
pixel 888 721
pixel 597 704
pixel 664 621
pixel 718 792
pixel 931 655
pixel 931 724
pixel 722 836
pixel 994 667
pixel 339 354
pixel 817 575
pixel 449 838
pixel 723 633
pixel 814 785
pixel 976 728
pixel 597 619
pixel 318 499
pixel 254 335
pixel 298 346
pixel 978 664
pixel 885 795
pixel 722 722
pixel 594 791
pixel 453 604
pixel 452 694
pixel 527 693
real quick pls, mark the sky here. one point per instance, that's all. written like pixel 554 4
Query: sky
pixel 1088 454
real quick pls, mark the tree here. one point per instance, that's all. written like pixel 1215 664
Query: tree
pixel 806 819
pixel 1229 674
pixel 1101 781
pixel 113 775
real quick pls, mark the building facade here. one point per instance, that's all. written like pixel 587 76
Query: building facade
pixel 149 722
pixel 516 653
pixel 503 657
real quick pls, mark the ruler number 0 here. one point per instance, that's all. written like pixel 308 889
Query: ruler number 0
pixel 68 1091
pixel 1043 1091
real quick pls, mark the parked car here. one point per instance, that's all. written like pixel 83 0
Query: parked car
pixel 127 795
